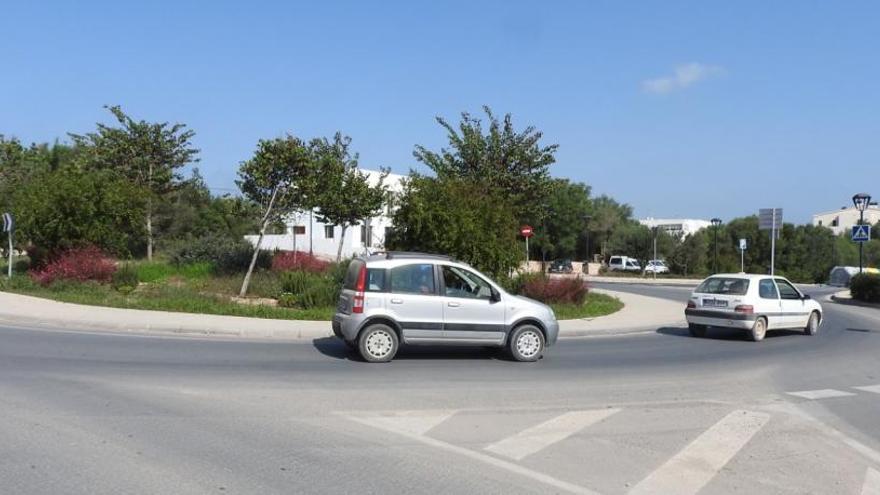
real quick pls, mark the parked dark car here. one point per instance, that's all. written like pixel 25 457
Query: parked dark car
pixel 560 266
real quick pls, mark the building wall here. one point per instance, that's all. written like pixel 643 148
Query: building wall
pixel 841 221
pixel 676 226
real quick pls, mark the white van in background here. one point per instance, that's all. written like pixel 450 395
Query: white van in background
pixel 624 263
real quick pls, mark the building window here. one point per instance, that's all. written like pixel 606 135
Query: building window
pixel 835 222
pixel 367 235
pixel 329 232
pixel 820 223
pixel 299 230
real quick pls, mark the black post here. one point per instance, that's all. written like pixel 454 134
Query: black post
pixel 715 258
pixel 861 244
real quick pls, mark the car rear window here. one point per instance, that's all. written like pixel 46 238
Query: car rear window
pixel 375 277
pixel 724 285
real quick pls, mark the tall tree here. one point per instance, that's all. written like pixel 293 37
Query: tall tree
pixel 147 154
pixel 281 179
pixel 346 195
pixel 561 233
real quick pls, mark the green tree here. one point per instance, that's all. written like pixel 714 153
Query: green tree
pixel 345 195
pixel 148 154
pixel 281 179
pixel 607 216
pixel 689 256
pixel 459 218
pixel 562 231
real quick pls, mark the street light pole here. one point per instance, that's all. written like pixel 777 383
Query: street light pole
pixel 861 201
pixel 715 223
pixel 654 231
pixel 586 267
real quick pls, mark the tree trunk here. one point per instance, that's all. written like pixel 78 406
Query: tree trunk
pixel 247 277
pixel 149 231
pixel 341 243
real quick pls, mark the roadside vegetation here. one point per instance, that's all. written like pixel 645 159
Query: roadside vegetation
pixel 865 287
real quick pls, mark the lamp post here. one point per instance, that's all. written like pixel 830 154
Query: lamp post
pixel 587 219
pixel 654 231
pixel 715 223
pixel 861 201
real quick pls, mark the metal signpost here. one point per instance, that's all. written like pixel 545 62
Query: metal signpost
pixel 9 228
pixel 861 201
pixel 771 219
pixel 743 245
pixel 861 234
pixel 526 231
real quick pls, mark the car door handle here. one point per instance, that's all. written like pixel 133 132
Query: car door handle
pixel 397 301
pixel 453 304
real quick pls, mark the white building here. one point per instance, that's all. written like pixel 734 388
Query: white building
pixel 677 227
pixel 840 221
pixel 305 233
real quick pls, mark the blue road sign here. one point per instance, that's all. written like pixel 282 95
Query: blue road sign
pixel 861 233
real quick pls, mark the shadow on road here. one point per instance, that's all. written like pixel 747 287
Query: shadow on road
pixel 726 334
pixel 335 348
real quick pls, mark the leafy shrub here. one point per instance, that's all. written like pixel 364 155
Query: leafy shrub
pixel 320 295
pixel 297 282
pixel 226 255
pixel 286 261
pixel 865 287
pixel 125 279
pixel 556 290
pixel 515 284
pixel 287 300
pixel 79 264
pixel 337 271
pixel 308 290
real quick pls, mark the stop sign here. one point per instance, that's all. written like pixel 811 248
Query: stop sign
pixel 526 231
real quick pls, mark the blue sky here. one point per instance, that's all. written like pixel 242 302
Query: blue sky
pixel 694 109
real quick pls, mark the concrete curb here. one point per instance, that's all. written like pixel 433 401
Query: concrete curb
pixel 676 282
pixel 639 314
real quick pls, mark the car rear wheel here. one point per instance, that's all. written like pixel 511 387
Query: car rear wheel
pixel 812 327
pixel 378 343
pixel 526 343
pixel 759 330
pixel 697 330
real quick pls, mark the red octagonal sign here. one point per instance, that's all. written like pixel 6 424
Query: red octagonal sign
pixel 526 231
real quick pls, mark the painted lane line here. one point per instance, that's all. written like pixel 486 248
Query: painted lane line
pixel 694 466
pixel 869 388
pixel 872 482
pixel 539 437
pixel 382 424
pixel 825 393
pixel 406 422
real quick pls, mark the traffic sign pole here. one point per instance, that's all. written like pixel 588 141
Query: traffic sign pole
pixel 773 245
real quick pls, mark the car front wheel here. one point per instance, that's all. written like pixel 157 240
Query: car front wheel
pixel 527 343
pixel 812 327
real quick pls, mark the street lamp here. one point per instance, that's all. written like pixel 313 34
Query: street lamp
pixel 861 202
pixel 715 223
pixel 654 232
pixel 587 219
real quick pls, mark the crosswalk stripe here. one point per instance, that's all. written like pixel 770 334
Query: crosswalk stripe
pixel 869 388
pixel 695 465
pixel 408 422
pixel 539 437
pixel 825 393
pixel 872 482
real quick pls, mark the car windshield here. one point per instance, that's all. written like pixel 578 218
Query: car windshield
pixel 724 285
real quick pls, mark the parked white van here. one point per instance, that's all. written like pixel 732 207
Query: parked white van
pixel 624 263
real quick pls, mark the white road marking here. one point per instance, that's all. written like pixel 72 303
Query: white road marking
pixel 694 467
pixel 406 422
pixel 539 437
pixel 391 426
pixel 872 482
pixel 825 393
pixel 869 388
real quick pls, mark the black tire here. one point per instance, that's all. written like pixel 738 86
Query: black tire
pixel 526 343
pixel 378 343
pixel 812 327
pixel 695 330
pixel 759 330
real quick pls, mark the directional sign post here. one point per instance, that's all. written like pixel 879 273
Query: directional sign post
pixel 526 231
pixel 9 228
pixel 771 219
pixel 743 245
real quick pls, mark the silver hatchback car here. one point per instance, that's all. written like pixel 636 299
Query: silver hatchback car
pixel 415 298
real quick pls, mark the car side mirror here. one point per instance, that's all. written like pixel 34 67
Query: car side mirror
pixel 496 296
pixel 806 296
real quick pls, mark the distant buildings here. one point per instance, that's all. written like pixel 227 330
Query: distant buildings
pixel 677 227
pixel 840 221
pixel 305 233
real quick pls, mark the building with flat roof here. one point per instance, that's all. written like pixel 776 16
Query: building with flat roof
pixel 677 227
pixel 303 231
pixel 841 221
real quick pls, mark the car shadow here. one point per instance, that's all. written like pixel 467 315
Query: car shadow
pixel 335 348
pixel 725 334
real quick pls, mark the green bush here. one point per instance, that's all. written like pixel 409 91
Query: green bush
pixel 297 283
pixel 309 290
pixel 226 255
pixel 321 295
pixel 287 300
pixel 515 284
pixel 865 287
pixel 125 279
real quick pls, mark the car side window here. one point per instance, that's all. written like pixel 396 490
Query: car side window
pixel 413 279
pixel 767 289
pixel 462 283
pixel 787 290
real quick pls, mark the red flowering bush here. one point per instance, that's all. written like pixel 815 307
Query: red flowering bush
pixel 556 290
pixel 289 261
pixel 80 264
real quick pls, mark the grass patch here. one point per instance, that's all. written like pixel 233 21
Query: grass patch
pixel 156 271
pixel 595 305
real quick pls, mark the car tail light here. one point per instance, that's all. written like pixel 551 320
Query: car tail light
pixel 360 287
pixel 691 304
pixel 745 309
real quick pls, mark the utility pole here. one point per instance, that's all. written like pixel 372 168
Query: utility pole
pixel 654 229
pixel 715 223
pixel 861 201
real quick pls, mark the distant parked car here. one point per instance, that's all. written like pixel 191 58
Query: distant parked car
pixel 754 303
pixel 561 266
pixel 624 263
pixel 656 266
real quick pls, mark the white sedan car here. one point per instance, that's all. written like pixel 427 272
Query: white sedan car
pixel 755 303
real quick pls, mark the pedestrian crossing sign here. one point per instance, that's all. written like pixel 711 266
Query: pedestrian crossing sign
pixel 861 233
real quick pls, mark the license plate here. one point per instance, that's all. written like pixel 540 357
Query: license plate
pixel 714 303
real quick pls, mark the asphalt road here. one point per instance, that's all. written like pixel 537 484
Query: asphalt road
pixel 654 413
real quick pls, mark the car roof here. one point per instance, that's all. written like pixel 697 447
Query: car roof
pixel 749 276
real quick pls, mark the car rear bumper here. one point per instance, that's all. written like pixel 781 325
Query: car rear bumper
pixel 345 327
pixel 717 318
